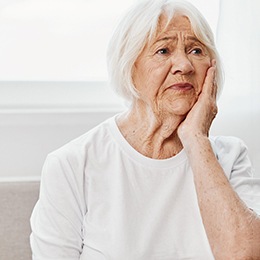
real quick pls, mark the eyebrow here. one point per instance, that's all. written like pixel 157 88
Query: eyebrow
pixel 193 39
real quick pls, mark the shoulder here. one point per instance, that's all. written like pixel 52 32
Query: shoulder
pixel 83 144
pixel 232 154
pixel 66 166
pixel 70 160
pixel 227 145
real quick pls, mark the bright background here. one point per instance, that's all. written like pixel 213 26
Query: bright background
pixel 62 40
pixel 53 79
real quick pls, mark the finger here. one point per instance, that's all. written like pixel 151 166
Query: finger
pixel 210 86
pixel 215 88
pixel 215 85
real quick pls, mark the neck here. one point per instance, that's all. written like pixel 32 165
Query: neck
pixel 152 134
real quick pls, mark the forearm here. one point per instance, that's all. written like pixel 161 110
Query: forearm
pixel 233 230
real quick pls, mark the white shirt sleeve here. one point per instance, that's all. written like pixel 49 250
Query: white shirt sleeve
pixel 56 220
pixel 232 154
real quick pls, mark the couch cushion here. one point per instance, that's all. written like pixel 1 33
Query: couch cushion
pixel 17 200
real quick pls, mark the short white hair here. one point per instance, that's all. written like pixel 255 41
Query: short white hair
pixel 137 27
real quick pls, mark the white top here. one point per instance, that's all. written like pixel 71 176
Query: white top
pixel 101 199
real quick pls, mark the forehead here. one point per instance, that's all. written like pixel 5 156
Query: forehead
pixel 178 23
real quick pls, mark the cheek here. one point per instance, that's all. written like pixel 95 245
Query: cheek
pixel 137 78
pixel 202 72
pixel 149 76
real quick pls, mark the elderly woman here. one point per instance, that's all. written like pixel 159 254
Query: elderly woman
pixel 149 183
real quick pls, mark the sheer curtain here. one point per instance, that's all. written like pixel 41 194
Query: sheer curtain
pixel 238 40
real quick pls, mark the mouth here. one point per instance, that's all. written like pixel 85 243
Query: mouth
pixel 182 86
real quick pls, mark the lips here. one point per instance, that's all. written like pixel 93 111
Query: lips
pixel 181 86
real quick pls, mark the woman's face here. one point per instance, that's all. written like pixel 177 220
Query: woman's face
pixel 170 71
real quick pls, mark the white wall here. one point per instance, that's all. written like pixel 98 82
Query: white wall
pixel 237 118
pixel 238 40
pixel 36 118
pixel 51 114
pixel 26 138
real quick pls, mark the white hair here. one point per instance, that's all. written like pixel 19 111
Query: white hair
pixel 137 27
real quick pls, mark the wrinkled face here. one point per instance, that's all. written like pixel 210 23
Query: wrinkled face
pixel 170 72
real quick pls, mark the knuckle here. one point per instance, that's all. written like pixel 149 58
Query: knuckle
pixel 215 109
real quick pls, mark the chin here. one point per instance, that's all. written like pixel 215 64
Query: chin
pixel 181 107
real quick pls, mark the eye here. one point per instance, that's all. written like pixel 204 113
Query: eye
pixel 163 51
pixel 197 51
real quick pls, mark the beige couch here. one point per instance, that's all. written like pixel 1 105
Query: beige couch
pixel 17 200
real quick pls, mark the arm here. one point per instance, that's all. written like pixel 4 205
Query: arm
pixel 57 217
pixel 233 230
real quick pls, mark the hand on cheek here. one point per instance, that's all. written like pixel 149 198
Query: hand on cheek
pixel 198 121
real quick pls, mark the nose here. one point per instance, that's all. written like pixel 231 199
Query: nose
pixel 180 64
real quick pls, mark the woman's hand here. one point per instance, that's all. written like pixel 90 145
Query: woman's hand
pixel 233 230
pixel 198 121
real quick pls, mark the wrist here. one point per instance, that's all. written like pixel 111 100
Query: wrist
pixel 195 140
